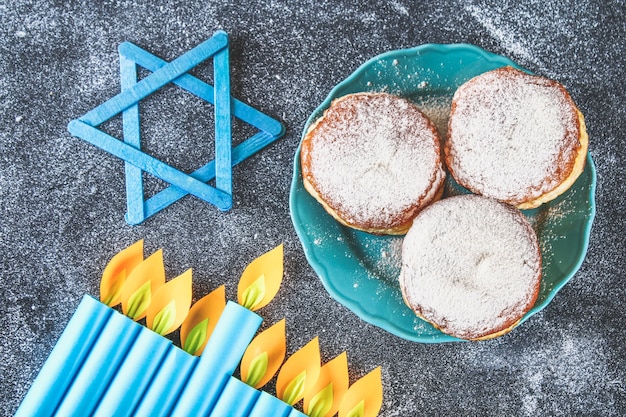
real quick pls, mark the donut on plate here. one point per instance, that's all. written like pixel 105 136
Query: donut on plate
pixel 373 161
pixel 515 137
pixel 471 266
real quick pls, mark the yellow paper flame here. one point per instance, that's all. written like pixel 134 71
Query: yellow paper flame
pixel 116 272
pixel 170 304
pixel 364 398
pixel 324 399
pixel 298 375
pixel 201 320
pixel 264 356
pixel 261 280
pixel 141 284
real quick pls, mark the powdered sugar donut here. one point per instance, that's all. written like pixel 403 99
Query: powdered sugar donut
pixel 515 137
pixel 471 266
pixel 373 161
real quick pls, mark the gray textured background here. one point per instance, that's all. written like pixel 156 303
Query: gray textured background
pixel 63 200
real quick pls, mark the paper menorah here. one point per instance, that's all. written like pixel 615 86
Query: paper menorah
pixel 106 363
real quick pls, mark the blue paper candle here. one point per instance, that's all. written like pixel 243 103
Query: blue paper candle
pixel 236 400
pixel 167 384
pixel 296 413
pixel 134 375
pixel 267 405
pixel 231 336
pixel 65 360
pixel 100 366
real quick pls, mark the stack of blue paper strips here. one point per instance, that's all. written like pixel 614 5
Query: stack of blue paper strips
pixel 106 364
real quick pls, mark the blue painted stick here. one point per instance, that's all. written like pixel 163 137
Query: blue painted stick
pixel 134 182
pixel 150 164
pixel 167 384
pixel 206 173
pixel 229 340
pixel 267 405
pixel 131 132
pixel 271 129
pixel 237 400
pixel 223 130
pixel 156 80
pixel 65 360
pixel 94 377
pixel 203 90
pixel 133 377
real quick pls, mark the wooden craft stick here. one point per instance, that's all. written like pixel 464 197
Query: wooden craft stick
pixel 150 164
pixel 156 80
pixel 131 131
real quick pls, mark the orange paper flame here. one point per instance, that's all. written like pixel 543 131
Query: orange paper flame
pixel 324 399
pixel 199 324
pixel 116 272
pixel 264 356
pixel 261 280
pixel 298 375
pixel 141 284
pixel 364 398
pixel 170 304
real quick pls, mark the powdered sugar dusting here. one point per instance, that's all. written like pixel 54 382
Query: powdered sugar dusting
pixel 511 134
pixel 571 363
pixel 373 157
pixel 470 265
pixel 509 40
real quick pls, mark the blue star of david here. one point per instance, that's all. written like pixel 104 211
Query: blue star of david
pixel 129 149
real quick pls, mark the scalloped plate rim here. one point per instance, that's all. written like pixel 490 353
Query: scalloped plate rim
pixel 320 266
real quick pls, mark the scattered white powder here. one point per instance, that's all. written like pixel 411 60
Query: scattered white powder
pixel 399 8
pixel 390 259
pixel 470 265
pixel 563 364
pixel 510 40
pixel 373 157
pixel 511 135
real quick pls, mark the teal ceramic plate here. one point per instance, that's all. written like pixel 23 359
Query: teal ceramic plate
pixel 360 270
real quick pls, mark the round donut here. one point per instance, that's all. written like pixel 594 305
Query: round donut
pixel 515 137
pixel 471 266
pixel 373 161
